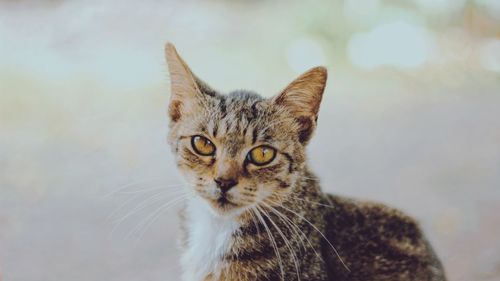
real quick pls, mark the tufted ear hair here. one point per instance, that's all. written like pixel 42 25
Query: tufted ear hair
pixel 302 98
pixel 187 91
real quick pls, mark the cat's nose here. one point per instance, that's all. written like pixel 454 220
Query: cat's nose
pixel 225 184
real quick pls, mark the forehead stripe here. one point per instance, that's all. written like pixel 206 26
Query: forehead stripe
pixel 222 107
pixel 215 129
pixel 254 136
pixel 254 110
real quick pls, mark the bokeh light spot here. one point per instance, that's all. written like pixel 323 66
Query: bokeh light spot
pixel 397 44
pixel 489 54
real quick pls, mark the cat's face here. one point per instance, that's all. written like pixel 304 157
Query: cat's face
pixel 239 150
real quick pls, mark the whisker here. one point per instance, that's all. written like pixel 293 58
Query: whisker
pixel 273 242
pixel 255 223
pixel 287 242
pixel 149 201
pixel 291 227
pixel 131 184
pixel 119 208
pixel 148 189
pixel 248 194
pixel 141 206
pixel 122 189
pixel 321 233
pixel 144 204
pixel 308 178
pixel 136 195
pixel 312 202
pixel 160 212
pixel 297 228
pixel 153 215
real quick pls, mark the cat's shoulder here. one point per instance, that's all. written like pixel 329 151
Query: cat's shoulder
pixel 347 212
pixel 378 241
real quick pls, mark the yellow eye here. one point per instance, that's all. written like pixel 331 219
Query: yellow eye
pixel 261 155
pixel 202 145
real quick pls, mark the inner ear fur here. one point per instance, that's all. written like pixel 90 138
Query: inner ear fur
pixel 187 91
pixel 302 98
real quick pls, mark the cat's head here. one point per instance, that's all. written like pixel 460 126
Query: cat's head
pixel 240 149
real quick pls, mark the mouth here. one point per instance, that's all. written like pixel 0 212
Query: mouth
pixel 223 204
pixel 223 201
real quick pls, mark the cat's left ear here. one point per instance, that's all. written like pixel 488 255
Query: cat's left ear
pixel 302 98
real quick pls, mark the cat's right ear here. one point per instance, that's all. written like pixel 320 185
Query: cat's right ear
pixel 187 91
pixel 302 98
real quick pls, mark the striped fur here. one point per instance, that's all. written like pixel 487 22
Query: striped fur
pixel 276 223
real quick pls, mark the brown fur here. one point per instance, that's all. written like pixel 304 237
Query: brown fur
pixel 288 228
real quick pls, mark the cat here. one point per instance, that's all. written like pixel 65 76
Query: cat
pixel 256 212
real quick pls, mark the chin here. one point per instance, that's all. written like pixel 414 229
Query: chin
pixel 223 207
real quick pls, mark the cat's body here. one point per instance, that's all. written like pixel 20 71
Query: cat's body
pixel 257 212
pixel 372 242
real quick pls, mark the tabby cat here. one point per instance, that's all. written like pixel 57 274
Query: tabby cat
pixel 256 211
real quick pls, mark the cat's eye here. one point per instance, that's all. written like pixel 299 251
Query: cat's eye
pixel 261 155
pixel 202 145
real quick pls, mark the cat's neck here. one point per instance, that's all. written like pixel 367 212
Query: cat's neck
pixel 307 184
pixel 209 235
pixel 208 239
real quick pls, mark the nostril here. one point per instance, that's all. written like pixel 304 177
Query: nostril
pixel 225 184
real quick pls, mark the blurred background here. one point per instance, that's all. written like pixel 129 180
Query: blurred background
pixel 411 118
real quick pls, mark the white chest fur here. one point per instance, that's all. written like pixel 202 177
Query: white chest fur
pixel 209 238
